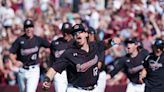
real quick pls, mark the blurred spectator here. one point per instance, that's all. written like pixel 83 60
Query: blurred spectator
pixel 6 13
pixel 44 63
pixel 2 71
pixel 10 69
pixel 147 41
pixel 142 19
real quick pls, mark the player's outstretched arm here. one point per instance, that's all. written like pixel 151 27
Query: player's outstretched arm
pixel 143 74
pixel 47 80
pixel 15 61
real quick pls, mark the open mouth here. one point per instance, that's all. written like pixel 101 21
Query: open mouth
pixel 78 38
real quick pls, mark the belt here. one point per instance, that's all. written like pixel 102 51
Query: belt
pixel 29 67
pixel 86 88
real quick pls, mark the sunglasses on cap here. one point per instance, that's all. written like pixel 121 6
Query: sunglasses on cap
pixel 78 32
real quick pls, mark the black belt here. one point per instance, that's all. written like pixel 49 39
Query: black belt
pixel 28 67
pixel 86 88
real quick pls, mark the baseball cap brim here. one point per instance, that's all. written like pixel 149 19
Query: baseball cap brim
pixel 77 28
pixel 27 26
pixel 76 31
pixel 91 30
pixel 131 41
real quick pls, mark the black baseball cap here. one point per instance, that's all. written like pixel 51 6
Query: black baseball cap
pixel 77 28
pixel 91 30
pixel 28 23
pixel 66 27
pixel 131 40
pixel 159 43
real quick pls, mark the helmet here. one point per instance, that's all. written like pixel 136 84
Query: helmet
pixel 66 27
pixel 159 44
pixel 28 23
pixel 77 28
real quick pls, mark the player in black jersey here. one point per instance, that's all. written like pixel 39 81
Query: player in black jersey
pixel 81 62
pixel 57 49
pixel 132 65
pixel 24 54
pixel 101 65
pixel 154 65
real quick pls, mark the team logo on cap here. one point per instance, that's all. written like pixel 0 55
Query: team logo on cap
pixel 76 27
pixel 22 42
pixel 66 26
pixel 57 43
pixel 28 22
pixel 128 60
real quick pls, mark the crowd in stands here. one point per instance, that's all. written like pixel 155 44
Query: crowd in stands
pixel 116 19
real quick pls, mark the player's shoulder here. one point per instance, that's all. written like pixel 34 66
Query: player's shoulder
pixel 94 44
pixel 58 41
pixel 71 50
pixel 41 40
pixel 150 56
pixel 37 37
pixel 144 52
pixel 162 54
pixel 99 42
pixel 124 58
pixel 55 42
pixel 61 39
pixel 20 38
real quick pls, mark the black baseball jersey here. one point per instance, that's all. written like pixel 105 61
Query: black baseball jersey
pixel 131 66
pixel 58 47
pixel 101 49
pixel 155 71
pixel 27 50
pixel 81 66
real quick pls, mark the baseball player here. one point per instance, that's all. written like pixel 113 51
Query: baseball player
pixel 154 65
pixel 81 63
pixel 101 48
pixel 57 49
pixel 132 65
pixel 24 53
